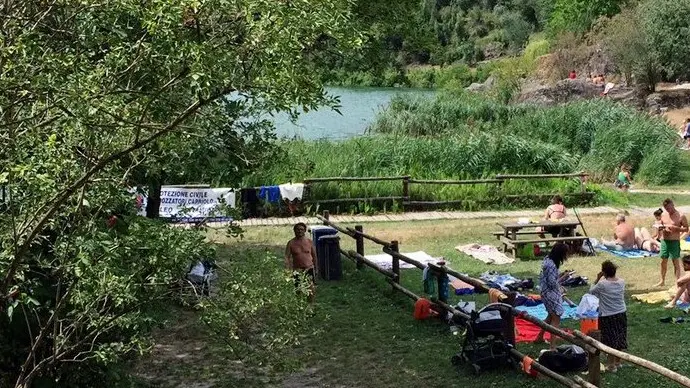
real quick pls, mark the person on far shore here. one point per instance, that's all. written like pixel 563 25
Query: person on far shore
pixel 623 180
pixel 572 75
pixel 623 236
pixel 673 223
pixel 300 258
pixel 683 284
pixel 551 291
pixel 685 133
pixel 613 319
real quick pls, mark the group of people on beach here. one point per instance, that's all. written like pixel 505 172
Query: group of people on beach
pixel 670 227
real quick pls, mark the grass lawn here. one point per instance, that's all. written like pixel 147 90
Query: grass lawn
pixel 363 333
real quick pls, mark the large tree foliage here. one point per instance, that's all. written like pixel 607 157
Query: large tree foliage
pixel 578 15
pixel 91 92
pixel 667 26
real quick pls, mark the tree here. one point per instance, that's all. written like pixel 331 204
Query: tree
pixel 668 29
pixel 630 47
pixel 89 92
pixel 577 16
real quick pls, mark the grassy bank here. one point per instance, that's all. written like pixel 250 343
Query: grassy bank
pixel 465 136
pixel 363 334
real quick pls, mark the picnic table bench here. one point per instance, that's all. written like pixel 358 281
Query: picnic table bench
pixel 511 231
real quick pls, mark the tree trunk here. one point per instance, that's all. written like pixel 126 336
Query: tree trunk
pixel 153 203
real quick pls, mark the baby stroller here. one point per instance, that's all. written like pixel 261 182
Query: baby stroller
pixel 485 344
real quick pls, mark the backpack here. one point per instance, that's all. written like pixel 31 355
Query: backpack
pixel 566 358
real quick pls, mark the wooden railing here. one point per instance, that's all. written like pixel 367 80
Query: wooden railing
pixel 590 343
pixel 406 199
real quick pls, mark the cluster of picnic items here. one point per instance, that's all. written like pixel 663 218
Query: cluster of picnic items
pixel 485 341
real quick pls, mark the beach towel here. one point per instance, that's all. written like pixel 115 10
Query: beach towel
pixel 460 287
pixel 539 311
pixel 527 332
pixel 291 191
pixel 628 254
pixel 656 296
pixel 487 254
pixel 385 260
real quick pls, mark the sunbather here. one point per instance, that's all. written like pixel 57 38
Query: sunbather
pixel 645 241
pixel 683 283
pixel 623 234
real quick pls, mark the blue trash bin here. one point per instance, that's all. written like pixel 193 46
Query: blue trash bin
pixel 327 251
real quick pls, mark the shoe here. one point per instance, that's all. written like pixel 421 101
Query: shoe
pixel 666 320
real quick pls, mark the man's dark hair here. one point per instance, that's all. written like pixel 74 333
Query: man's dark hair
pixel 558 254
pixel 668 201
pixel 557 199
pixel 608 268
pixel 297 225
pixel 686 260
pixel 658 212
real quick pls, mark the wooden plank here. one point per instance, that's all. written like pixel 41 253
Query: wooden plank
pixel 454 182
pixel 542 176
pixel 549 239
pixel 521 232
pixel 542 224
pixel 355 179
pixel 341 200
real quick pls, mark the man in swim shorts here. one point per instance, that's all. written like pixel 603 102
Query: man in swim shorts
pixel 672 225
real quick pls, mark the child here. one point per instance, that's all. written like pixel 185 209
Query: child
pixel 613 320
pixel 685 133
pixel 624 179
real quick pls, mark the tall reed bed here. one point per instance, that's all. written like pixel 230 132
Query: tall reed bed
pixel 598 134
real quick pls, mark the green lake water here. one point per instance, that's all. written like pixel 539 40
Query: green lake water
pixel 359 109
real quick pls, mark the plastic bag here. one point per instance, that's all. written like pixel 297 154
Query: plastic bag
pixel 588 307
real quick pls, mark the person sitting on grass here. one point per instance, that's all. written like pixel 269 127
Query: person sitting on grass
pixel 647 241
pixel 683 284
pixel 623 235
pixel 551 290
pixel 624 180
pixel 613 319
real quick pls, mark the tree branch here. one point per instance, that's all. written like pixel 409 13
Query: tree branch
pixel 52 206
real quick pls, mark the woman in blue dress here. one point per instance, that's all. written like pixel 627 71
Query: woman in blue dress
pixel 551 294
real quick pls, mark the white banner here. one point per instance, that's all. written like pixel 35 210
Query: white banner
pixel 192 204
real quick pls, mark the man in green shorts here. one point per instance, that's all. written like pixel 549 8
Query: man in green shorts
pixel 672 225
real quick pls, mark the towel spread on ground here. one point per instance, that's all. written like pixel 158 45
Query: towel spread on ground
pixel 460 287
pixel 629 253
pixel 539 311
pixel 291 191
pixel 485 253
pixel 385 260
pixel 656 296
pixel 526 331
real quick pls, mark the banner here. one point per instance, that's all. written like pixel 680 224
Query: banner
pixel 181 204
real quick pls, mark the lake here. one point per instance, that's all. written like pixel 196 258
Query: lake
pixel 359 108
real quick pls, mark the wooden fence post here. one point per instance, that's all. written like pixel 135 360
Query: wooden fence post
pixel 441 283
pixel 326 214
pixel 359 240
pixel 594 374
pixel 396 261
pixel 406 188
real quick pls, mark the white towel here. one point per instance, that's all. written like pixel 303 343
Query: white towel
pixel 485 253
pixel 291 191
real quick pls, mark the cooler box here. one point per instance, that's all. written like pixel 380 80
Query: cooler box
pixel 327 245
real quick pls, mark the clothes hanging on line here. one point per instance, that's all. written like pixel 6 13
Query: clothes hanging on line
pixel 291 191
pixel 270 194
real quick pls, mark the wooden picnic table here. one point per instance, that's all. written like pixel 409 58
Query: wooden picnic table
pixel 511 231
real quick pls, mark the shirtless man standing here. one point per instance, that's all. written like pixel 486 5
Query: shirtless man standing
pixel 303 254
pixel 672 225
pixel 624 235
